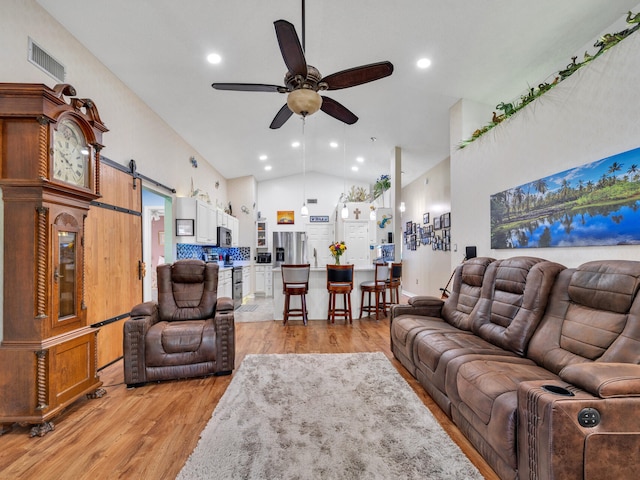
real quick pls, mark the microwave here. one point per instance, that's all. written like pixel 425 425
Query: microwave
pixel 224 237
pixel 263 258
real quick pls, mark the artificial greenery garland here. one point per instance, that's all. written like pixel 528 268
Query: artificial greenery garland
pixel 604 43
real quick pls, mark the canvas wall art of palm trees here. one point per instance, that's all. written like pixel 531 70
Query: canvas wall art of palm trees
pixel 594 204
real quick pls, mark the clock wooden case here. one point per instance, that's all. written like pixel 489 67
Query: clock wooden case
pixel 49 175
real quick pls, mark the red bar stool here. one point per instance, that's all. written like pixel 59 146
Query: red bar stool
pixel 339 282
pixel 377 287
pixel 295 281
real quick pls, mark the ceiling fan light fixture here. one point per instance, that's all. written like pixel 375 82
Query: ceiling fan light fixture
pixel 304 101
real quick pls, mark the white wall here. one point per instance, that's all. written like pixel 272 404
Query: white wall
pixel 591 115
pixel 135 131
pixel 242 193
pixel 425 270
pixel 287 194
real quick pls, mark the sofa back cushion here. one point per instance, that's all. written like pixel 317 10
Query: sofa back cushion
pixel 465 292
pixel 514 298
pixel 593 315
pixel 187 290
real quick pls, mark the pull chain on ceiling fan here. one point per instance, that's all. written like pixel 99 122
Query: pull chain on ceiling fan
pixel 304 81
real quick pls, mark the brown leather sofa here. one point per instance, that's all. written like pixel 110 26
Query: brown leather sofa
pixel 189 332
pixel 537 364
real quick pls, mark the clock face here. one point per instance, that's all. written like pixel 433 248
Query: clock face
pixel 70 154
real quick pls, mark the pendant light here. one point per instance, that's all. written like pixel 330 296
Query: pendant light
pixel 304 211
pixel 344 214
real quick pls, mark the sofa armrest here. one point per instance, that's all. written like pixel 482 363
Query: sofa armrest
pixel 144 309
pixel 224 304
pixel 224 323
pixel 422 306
pixel 143 316
pixel 604 380
pixel 426 301
pixel 553 444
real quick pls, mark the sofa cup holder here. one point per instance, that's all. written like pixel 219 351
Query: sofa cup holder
pixel 557 390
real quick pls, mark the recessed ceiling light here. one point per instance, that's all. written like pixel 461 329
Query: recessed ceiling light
pixel 267 167
pixel 354 168
pixel 424 63
pixel 333 144
pixel 295 144
pixel 360 159
pixel 214 58
pixel 263 157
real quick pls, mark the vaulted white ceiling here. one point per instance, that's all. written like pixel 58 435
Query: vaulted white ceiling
pixel 485 51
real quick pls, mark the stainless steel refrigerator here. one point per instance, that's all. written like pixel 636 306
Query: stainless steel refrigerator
pixel 289 247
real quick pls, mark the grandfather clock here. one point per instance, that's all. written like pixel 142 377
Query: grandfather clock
pixel 49 174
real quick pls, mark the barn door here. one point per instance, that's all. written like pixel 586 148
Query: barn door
pixel 113 258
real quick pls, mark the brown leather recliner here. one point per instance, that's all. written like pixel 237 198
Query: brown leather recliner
pixel 189 332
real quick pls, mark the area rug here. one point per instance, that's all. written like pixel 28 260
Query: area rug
pixel 323 416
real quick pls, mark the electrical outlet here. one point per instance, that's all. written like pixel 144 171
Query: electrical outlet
pixel 416 281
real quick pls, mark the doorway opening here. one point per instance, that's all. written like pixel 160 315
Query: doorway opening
pixel 157 238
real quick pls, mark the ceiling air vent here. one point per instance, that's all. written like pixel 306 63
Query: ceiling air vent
pixel 45 62
pixel 312 200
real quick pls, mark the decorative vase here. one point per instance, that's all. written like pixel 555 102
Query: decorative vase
pixel 337 259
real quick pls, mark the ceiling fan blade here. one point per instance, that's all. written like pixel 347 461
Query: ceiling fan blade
pixel 290 48
pixel 337 110
pixel 358 75
pixel 249 87
pixel 281 117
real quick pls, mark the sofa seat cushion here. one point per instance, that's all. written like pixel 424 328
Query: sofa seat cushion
pixel 404 330
pixel 180 343
pixel 434 349
pixel 484 402
pixel 431 347
pixel 481 382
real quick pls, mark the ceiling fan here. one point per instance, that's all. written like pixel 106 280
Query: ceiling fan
pixel 303 81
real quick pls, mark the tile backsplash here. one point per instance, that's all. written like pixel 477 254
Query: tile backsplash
pixel 188 250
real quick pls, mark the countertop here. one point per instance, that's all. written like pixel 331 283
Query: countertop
pixel 357 268
pixel 237 263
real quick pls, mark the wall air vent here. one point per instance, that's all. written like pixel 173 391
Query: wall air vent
pixel 312 200
pixel 45 62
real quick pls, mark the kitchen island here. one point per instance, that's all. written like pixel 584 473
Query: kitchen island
pixel 318 297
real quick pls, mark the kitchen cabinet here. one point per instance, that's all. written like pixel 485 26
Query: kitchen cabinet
pixel 221 218
pixel 225 283
pixel 262 240
pixel 264 280
pixel 205 220
pixel 246 281
pixel 233 224
pixel 206 223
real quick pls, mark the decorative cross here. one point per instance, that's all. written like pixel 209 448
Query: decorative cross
pixel 357 213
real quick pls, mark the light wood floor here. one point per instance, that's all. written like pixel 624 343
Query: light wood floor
pixel 149 432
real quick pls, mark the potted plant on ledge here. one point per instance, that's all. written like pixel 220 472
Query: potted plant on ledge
pixel 383 183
